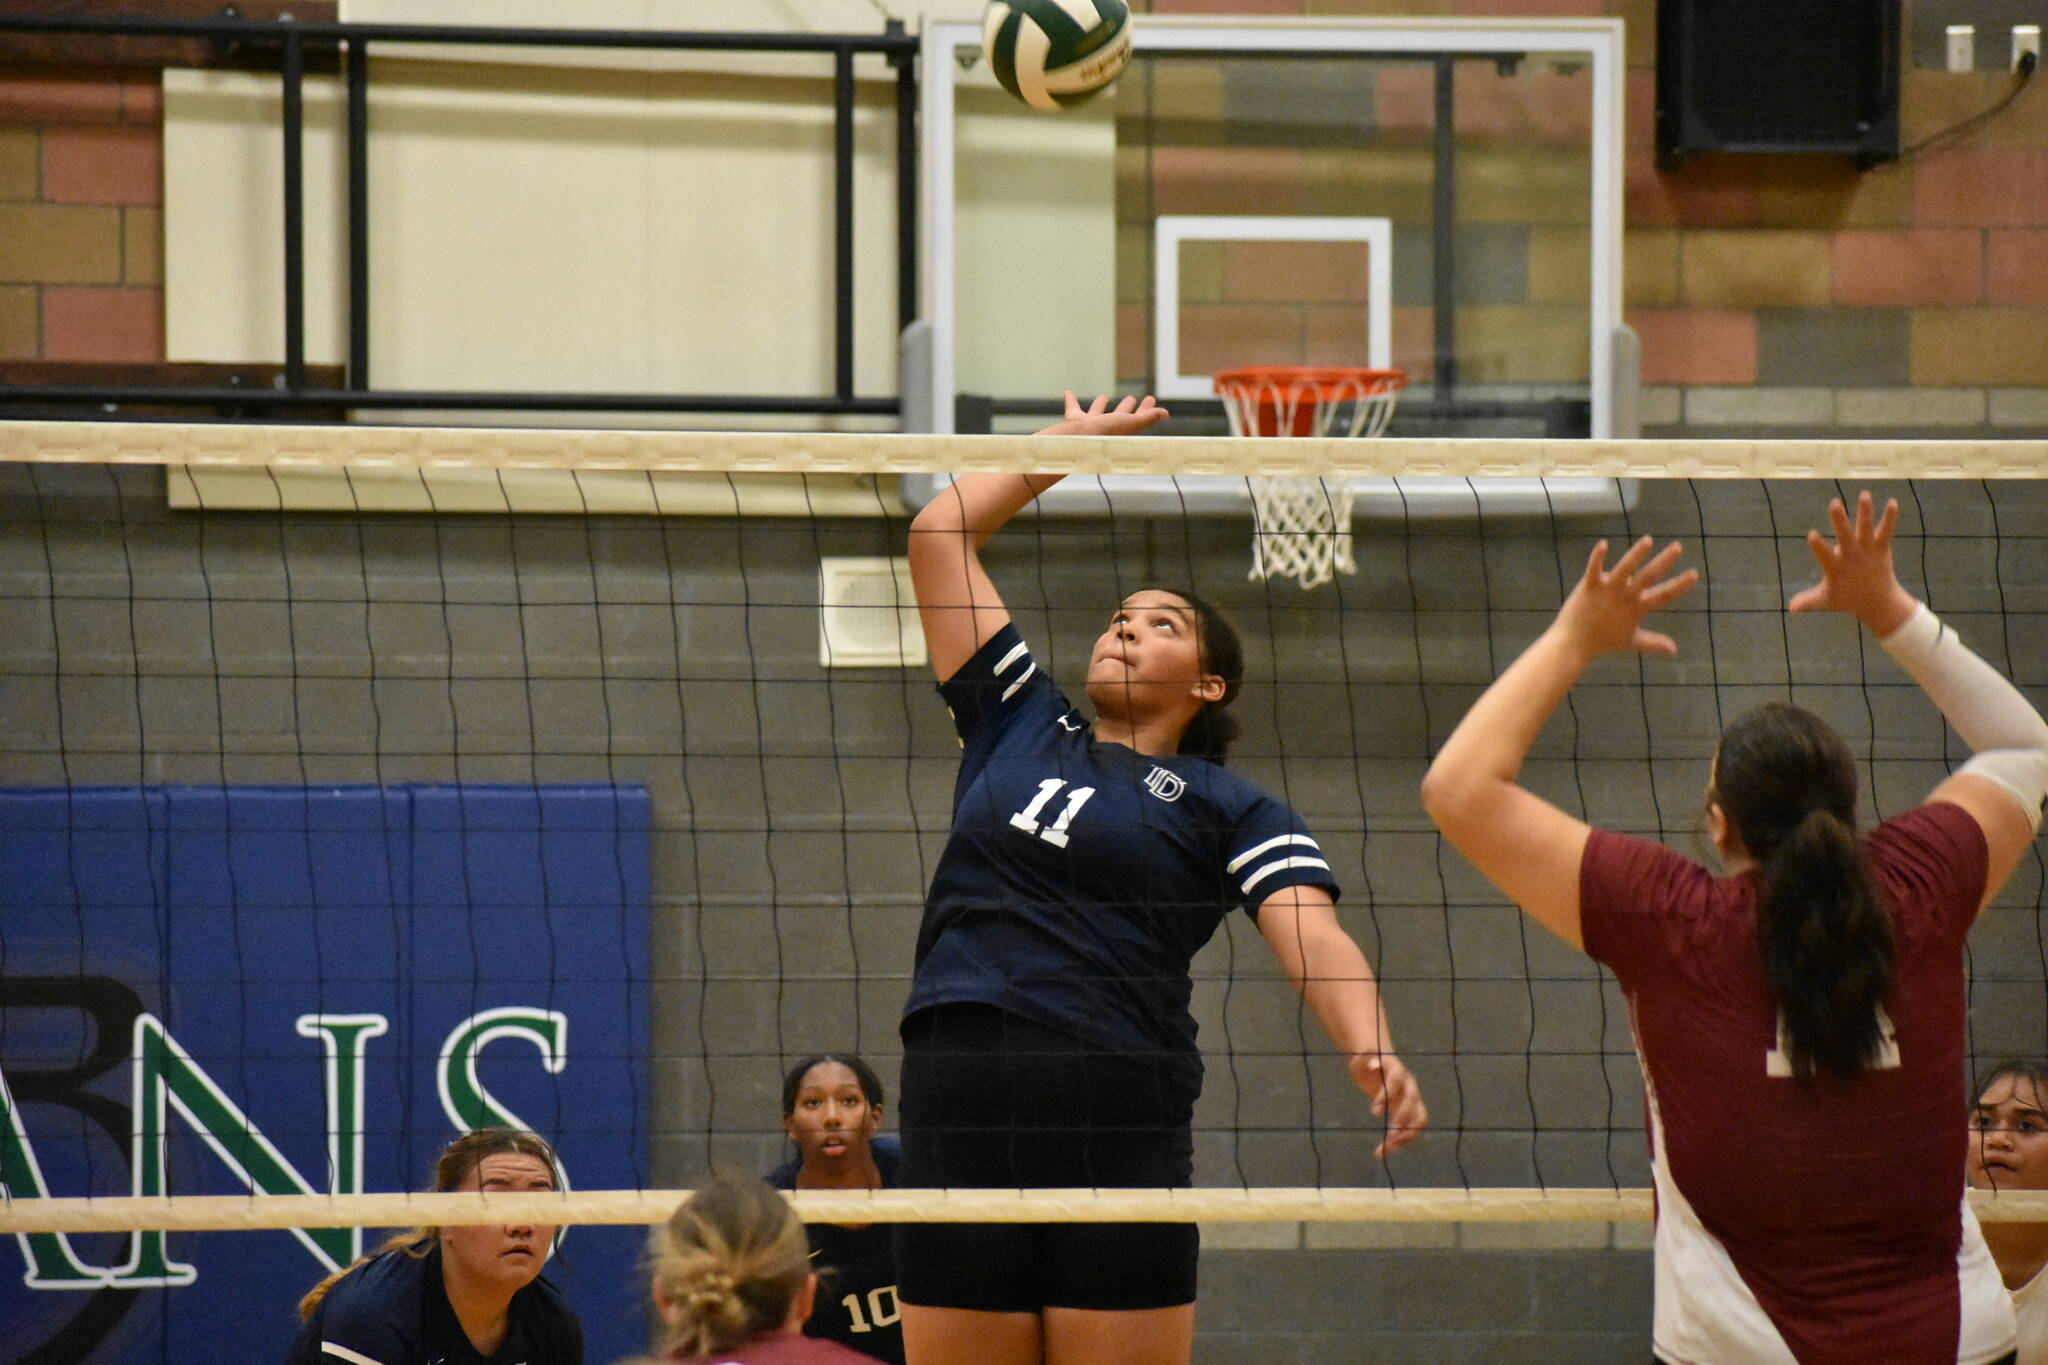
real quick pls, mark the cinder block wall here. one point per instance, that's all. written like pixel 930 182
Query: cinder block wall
pixel 799 812
pixel 1544 1301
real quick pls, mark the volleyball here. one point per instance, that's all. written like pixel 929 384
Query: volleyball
pixel 1053 53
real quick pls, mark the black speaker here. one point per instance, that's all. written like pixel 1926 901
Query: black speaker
pixel 1778 76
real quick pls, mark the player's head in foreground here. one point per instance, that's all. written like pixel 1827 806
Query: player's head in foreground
pixel 732 1264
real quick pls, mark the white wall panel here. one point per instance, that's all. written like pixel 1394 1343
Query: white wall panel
pixel 626 229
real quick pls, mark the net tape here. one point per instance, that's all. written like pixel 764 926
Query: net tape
pixel 622 1207
pixel 368 447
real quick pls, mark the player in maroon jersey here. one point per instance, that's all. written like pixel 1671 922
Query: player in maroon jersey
pixel 1800 1019
pixel 733 1281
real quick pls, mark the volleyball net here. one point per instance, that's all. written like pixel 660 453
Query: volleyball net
pixel 365 784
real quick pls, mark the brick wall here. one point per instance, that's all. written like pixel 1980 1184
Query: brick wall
pixel 81 218
pixel 1345 138
pixel 1773 294
pixel 1906 297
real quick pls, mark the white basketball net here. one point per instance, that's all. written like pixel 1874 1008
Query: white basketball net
pixel 1301 526
pixel 1301 529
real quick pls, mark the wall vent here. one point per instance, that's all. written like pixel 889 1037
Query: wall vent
pixel 867 617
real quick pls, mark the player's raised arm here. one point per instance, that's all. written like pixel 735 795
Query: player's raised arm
pixel 2004 783
pixel 1523 844
pixel 957 604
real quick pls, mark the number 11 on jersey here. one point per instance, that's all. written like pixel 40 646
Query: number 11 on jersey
pixel 1055 833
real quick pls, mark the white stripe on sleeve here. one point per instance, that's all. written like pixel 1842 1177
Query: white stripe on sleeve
pixel 1281 865
pixel 340 1352
pixel 1255 850
pixel 1004 663
pixel 1011 690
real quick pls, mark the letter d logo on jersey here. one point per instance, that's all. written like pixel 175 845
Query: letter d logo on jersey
pixel 1164 784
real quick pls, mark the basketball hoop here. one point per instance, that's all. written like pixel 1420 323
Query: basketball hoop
pixel 1302 527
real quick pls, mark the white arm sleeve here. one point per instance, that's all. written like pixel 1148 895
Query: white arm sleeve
pixel 2002 728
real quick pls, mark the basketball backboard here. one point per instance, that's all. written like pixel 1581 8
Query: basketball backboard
pixel 1490 150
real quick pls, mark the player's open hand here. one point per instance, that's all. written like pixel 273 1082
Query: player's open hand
pixel 1395 1096
pixel 1856 571
pixel 1127 418
pixel 1605 612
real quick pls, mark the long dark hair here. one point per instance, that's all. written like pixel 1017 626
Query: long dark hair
pixel 870 1083
pixel 1210 733
pixel 1787 783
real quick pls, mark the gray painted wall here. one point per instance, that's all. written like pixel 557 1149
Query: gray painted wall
pixel 798 813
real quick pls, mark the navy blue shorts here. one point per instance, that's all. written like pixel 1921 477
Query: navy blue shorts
pixel 991 1100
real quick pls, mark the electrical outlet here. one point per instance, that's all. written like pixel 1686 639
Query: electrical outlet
pixel 1962 47
pixel 2026 38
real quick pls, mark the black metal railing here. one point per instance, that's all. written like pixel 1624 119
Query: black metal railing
pixel 350 42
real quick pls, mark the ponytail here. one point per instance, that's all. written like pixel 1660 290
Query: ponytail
pixel 732 1259
pixel 1827 948
pixel 1210 733
pixel 414 1242
pixel 1786 782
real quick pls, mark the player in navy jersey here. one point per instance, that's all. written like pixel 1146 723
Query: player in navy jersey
pixel 832 1111
pixel 1800 1020
pixel 456 1295
pixel 1047 1038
